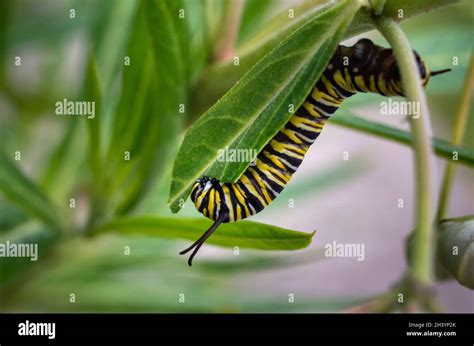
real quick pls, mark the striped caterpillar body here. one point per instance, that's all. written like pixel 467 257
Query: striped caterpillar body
pixel 364 67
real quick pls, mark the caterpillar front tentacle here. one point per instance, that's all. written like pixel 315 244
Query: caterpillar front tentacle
pixel 364 67
pixel 198 243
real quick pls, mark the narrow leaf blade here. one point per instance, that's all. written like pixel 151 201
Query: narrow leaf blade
pixel 245 234
pixel 24 193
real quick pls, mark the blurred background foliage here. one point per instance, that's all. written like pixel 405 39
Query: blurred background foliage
pixel 175 61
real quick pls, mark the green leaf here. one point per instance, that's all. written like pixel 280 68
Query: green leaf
pixel 245 234
pixel 92 93
pixel 253 14
pixel 152 124
pixel 5 9
pixel 42 236
pixel 441 147
pixel 113 41
pixel 24 193
pixel 110 37
pixel 10 216
pixel 281 26
pixel 398 10
pixel 133 115
pixel 257 107
pixel 65 163
pixel 166 45
pixel 411 8
pixel 52 26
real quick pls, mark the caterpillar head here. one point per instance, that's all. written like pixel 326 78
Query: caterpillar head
pixel 202 185
pixel 370 60
pixel 203 181
pixel 198 187
pixel 394 77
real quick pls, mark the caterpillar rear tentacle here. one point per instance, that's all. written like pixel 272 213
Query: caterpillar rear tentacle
pixel 364 67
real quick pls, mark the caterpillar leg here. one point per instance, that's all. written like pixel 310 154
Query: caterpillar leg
pixel 198 243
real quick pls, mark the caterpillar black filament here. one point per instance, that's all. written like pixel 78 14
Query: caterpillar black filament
pixel 364 67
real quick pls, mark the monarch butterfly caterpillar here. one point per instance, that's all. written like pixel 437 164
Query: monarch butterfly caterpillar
pixel 364 67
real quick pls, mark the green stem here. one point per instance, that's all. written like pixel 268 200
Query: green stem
pixel 458 135
pixel 422 266
pixel 377 5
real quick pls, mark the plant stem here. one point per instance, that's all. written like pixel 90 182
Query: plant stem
pixel 422 266
pixel 442 148
pixel 226 44
pixel 377 5
pixel 458 134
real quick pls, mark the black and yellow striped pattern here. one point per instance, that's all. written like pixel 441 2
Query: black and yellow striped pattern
pixel 363 67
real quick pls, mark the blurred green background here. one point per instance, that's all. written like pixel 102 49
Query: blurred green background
pixel 345 201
